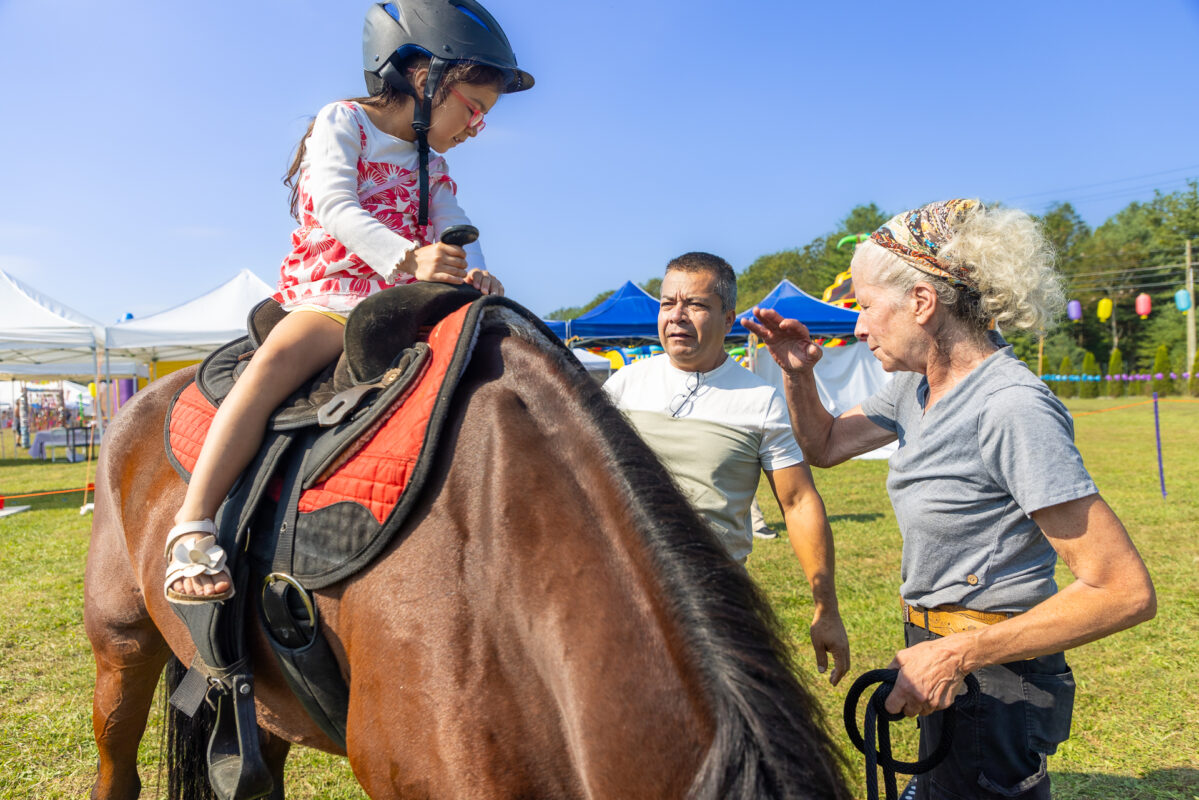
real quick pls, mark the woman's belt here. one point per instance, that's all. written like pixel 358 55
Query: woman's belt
pixel 947 619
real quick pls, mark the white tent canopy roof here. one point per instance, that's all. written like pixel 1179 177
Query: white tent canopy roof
pixel 845 377
pixel 589 359
pixel 195 328
pixel 81 370
pixel 37 329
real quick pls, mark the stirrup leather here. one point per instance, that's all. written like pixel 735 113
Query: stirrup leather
pixel 202 557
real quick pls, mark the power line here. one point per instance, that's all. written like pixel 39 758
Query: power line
pixel 1131 190
pixel 1124 271
pixel 1123 287
pixel 1104 183
pixel 1110 255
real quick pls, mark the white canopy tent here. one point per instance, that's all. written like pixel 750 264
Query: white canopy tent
pixel 193 329
pixel 82 371
pixel 597 367
pixel 38 331
pixel 42 338
pixel 845 376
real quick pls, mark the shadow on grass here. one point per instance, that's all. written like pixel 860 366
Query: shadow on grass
pixel 68 499
pixel 22 461
pixel 855 517
pixel 60 460
pixel 1179 783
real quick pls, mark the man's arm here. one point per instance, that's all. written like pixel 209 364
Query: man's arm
pixel 1112 592
pixel 812 541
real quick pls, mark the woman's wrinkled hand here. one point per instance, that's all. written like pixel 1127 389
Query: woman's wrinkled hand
pixel 931 675
pixel 788 340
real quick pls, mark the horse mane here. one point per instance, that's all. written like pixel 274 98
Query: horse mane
pixel 761 748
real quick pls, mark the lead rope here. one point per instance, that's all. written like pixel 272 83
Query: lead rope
pixel 877 716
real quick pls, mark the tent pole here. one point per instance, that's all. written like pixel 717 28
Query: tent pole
pixel 108 382
pixel 3 435
pixel 96 414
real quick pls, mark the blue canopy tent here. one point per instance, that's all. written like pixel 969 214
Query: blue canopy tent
pixel 789 300
pixel 558 326
pixel 630 313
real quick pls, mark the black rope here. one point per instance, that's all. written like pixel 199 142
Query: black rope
pixel 878 720
pixel 421 120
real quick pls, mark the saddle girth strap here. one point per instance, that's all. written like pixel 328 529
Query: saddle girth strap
pixel 292 624
pixel 236 767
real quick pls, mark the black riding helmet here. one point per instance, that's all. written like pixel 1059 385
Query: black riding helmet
pixel 446 31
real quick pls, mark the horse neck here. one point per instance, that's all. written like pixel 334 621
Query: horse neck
pixel 565 622
pixel 580 609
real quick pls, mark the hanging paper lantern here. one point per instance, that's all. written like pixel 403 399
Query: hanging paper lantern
pixel 1144 305
pixel 91 389
pixel 1074 310
pixel 1182 299
pixel 1104 311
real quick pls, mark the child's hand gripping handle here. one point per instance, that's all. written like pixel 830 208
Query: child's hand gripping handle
pixel 460 236
pixel 444 261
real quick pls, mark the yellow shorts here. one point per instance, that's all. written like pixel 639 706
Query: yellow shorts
pixel 333 315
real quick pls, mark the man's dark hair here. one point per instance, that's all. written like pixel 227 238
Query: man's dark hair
pixel 726 279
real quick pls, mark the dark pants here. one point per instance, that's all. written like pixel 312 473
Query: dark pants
pixel 1000 744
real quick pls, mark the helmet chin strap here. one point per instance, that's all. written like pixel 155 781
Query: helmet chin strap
pixel 421 118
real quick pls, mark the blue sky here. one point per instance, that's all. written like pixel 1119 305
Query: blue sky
pixel 143 142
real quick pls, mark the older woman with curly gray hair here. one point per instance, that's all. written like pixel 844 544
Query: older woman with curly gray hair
pixel 987 485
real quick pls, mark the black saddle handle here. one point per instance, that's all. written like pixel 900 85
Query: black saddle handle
pixel 460 235
pixel 876 712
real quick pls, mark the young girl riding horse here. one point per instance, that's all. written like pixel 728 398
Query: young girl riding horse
pixel 371 206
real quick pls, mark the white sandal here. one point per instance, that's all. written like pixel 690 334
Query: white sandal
pixel 202 557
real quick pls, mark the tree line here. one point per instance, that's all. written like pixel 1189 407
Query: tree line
pixel 1139 249
pixel 812 267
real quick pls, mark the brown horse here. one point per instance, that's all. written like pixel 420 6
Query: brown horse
pixel 553 621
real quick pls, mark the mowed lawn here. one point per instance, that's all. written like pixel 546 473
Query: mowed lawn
pixel 1136 720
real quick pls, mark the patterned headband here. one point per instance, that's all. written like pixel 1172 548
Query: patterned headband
pixel 917 237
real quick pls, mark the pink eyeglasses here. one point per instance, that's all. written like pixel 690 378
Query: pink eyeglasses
pixel 476 122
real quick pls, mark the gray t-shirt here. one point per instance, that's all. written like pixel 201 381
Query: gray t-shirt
pixel 997 447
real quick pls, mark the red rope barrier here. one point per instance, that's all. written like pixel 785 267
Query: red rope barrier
pixel 90 487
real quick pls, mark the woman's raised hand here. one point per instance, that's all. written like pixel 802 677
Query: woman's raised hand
pixel 788 340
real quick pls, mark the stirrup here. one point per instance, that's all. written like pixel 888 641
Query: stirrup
pixel 202 557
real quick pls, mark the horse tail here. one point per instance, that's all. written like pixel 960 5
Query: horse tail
pixel 187 744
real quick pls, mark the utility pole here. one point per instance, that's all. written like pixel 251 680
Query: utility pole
pixel 1191 313
pixel 1111 292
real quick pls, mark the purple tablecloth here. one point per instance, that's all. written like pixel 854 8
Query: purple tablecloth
pixel 58 437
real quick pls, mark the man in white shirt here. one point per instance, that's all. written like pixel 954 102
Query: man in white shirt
pixel 716 426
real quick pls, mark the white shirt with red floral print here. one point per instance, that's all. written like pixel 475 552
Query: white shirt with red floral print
pixel 358 203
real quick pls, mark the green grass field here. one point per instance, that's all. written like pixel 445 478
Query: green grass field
pixel 1136 719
